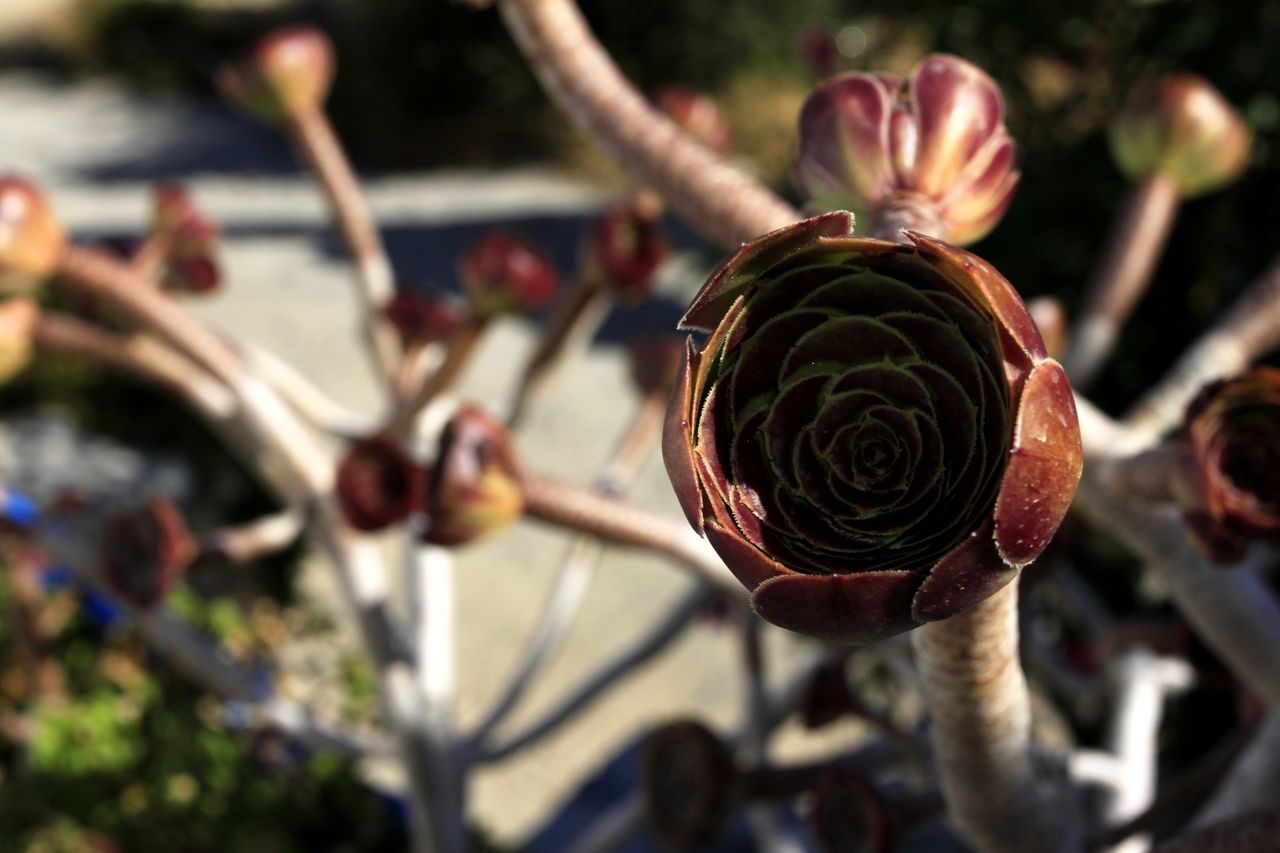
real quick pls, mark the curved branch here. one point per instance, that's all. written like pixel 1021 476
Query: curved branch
pixel 981 729
pixel 719 200
pixel 1249 330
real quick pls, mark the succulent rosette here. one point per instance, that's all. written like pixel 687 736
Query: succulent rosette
pixel 873 436
pixel 1229 479
pixel 144 551
pixel 935 141
pixel 378 484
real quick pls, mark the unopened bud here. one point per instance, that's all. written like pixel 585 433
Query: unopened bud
pixel 286 74
pixel 473 487
pixel 504 273
pixel 31 240
pixel 876 141
pixel 628 244
pixel 420 319
pixel 1181 127
pixel 697 114
pixel 687 780
pixel 378 484
pixel 190 240
pixel 847 816
pixel 18 318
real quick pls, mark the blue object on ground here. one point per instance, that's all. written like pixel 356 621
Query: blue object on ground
pixel 19 509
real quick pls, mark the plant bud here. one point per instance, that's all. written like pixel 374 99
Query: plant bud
pixel 1181 127
pixel 655 363
pixel 697 114
pixel 287 73
pixel 847 816
pixel 473 488
pixel 18 318
pixel 31 240
pixel 687 779
pixel 628 245
pixel 190 239
pixel 827 697
pixel 378 484
pixel 934 140
pixel 504 273
pixel 420 319
pixel 1228 481
pixel 144 551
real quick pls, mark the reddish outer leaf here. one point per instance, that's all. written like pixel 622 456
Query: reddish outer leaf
pixel 741 268
pixel 992 289
pixel 677 442
pixel 749 564
pixel 855 608
pixel 1044 466
pixel 958 108
pixel 971 572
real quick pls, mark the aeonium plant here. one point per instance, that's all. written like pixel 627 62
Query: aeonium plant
pixel 873 435
pixel 1228 476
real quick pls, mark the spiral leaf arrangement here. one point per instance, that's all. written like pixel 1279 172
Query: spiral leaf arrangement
pixel 873 435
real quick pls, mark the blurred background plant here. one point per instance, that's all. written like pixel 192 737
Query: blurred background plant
pixel 440 84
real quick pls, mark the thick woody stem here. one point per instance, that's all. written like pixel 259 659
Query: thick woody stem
pixel 315 140
pixel 981 730
pixel 100 276
pixel 1137 239
pixel 244 543
pixel 724 203
pixel 136 354
pixel 1147 475
pixel 588 511
pixel 578 317
pixel 1249 330
pixel 1233 612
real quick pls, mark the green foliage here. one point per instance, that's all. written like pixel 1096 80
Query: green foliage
pixel 120 748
